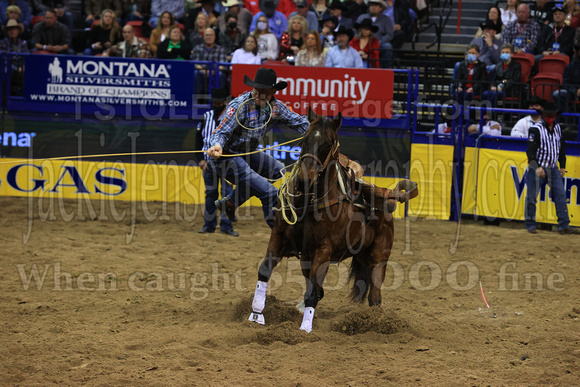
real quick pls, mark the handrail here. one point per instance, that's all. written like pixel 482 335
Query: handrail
pixel 446 10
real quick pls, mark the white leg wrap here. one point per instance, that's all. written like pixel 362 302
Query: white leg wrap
pixel 257 318
pixel 259 297
pixel 307 319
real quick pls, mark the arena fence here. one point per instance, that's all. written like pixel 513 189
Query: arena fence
pixel 458 173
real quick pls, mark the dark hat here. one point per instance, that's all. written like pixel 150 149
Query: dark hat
pixel 268 7
pixel 490 25
pixel 326 17
pixel 558 8
pixel 534 100
pixel 337 4
pixel 344 31
pixel 265 79
pixel 367 23
pixel 220 94
pixel 549 108
pixel 301 3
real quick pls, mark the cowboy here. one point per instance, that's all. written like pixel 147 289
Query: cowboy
pixel 342 55
pixel 246 120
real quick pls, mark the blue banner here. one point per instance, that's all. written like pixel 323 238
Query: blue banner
pixel 111 86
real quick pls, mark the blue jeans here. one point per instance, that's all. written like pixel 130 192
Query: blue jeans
pixel 386 55
pixel 212 192
pixel 557 191
pixel 249 174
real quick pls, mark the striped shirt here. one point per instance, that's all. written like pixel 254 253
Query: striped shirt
pixel 545 146
pixel 206 128
pixel 233 138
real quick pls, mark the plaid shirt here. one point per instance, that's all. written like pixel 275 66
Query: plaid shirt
pixel 529 33
pixel 215 54
pixel 235 139
pixel 8 45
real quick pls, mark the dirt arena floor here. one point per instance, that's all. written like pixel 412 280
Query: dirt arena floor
pixel 105 298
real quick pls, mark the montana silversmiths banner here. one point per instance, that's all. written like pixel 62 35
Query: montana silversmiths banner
pixel 71 84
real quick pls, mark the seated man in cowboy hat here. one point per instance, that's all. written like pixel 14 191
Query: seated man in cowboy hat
pixel 246 120
pixel 342 55
pixel 489 45
pixel 386 31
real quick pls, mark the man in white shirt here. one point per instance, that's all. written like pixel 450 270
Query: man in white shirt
pixel 342 55
pixel 521 127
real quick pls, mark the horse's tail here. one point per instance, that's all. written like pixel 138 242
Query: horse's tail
pixel 361 278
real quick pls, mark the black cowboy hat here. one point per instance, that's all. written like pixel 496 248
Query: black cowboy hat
pixel 549 109
pixel 265 79
pixel 337 4
pixel 490 25
pixel 268 7
pixel 344 31
pixel 220 94
pixel 367 23
pixel 326 17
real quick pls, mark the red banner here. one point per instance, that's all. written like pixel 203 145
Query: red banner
pixel 361 93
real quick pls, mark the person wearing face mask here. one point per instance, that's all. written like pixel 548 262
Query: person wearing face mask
pixel 546 149
pixel 471 78
pixel 277 21
pixel 268 46
pixel 231 38
pixel 243 15
pixel 507 75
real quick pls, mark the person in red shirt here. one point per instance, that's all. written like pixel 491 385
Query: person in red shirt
pixel 366 44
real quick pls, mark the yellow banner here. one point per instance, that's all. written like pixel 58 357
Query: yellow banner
pixel 116 181
pixel 494 186
pixel 431 169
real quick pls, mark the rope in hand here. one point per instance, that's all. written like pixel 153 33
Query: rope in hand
pixel 158 153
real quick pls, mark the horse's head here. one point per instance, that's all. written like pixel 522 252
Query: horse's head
pixel 319 147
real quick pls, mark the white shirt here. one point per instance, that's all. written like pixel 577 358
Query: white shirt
pixel 245 57
pixel 507 16
pixel 268 47
pixel 521 127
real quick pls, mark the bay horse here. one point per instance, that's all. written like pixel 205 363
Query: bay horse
pixel 329 226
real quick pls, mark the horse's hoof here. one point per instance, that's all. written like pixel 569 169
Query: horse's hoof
pixel 257 318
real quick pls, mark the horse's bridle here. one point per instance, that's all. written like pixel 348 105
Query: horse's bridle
pixel 324 164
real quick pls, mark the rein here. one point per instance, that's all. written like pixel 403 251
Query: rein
pixel 284 193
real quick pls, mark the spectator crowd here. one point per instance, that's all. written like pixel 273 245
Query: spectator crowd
pixel 296 32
